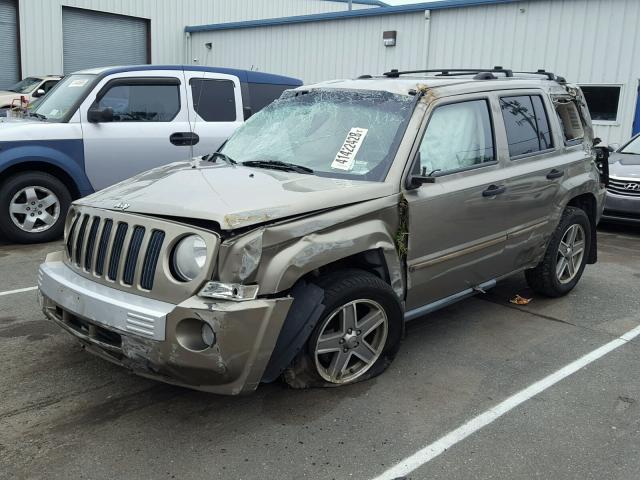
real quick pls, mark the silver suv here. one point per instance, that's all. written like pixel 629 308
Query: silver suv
pixel 329 219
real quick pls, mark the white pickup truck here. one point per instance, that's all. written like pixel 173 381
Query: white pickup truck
pixel 98 127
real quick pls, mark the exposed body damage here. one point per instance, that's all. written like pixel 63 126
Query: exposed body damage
pixel 304 248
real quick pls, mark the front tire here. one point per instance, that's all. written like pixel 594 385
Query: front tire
pixel 34 206
pixel 566 256
pixel 357 336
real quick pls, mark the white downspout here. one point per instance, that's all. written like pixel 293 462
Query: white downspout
pixel 427 37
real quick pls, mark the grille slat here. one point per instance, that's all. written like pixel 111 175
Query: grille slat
pixel 132 255
pixel 116 251
pixel 102 248
pixel 80 239
pixel 91 242
pixel 151 259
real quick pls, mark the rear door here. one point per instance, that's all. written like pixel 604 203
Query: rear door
pixel 536 168
pixel 215 111
pixel 458 225
pixel 150 125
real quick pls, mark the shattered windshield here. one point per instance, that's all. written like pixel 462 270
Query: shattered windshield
pixel 336 133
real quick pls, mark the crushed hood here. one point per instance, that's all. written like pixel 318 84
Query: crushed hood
pixel 232 196
pixel 624 165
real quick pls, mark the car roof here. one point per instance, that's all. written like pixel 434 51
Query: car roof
pixel 450 85
pixel 248 76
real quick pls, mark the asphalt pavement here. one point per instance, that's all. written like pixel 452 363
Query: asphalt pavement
pixel 65 414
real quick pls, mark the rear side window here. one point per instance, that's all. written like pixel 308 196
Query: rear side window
pixel 262 94
pixel 142 103
pixel 527 124
pixel 214 100
pixel 458 136
pixel 570 120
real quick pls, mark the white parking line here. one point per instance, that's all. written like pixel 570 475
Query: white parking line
pixel 20 290
pixel 428 453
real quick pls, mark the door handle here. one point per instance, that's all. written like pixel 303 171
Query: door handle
pixel 494 190
pixel 182 139
pixel 553 174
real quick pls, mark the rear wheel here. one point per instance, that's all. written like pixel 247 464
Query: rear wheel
pixel 566 256
pixel 355 339
pixel 34 205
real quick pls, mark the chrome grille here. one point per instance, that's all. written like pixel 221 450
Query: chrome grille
pixel 120 252
pixel 624 187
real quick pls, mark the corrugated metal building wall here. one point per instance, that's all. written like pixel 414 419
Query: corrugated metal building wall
pixel 587 41
pixel 41 38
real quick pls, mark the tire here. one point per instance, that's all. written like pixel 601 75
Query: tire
pixel 23 219
pixel 553 278
pixel 367 296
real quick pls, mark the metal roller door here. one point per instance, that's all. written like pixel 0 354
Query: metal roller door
pixel 96 39
pixel 9 73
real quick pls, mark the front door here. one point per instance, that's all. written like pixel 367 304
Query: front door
pixel 457 225
pixel 150 125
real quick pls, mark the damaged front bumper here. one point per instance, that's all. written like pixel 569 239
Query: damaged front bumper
pixel 161 340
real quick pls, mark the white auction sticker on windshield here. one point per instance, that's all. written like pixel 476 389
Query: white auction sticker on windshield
pixel 347 154
pixel 78 83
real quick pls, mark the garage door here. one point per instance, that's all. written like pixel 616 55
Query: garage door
pixel 95 39
pixel 8 44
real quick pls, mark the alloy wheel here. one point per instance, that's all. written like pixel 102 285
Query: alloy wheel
pixel 351 341
pixel 34 209
pixel 570 253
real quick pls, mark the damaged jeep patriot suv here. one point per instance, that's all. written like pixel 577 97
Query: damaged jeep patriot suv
pixel 331 217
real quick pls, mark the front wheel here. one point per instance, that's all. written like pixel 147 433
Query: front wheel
pixel 356 338
pixel 566 256
pixel 34 205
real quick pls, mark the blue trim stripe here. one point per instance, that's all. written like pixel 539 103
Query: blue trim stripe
pixel 373 3
pixel 365 12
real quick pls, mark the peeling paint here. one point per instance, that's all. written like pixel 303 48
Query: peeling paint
pixel 310 252
pixel 248 218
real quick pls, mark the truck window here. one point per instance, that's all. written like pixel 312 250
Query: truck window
pixel 526 123
pixel 570 120
pixel 214 100
pixel 458 136
pixel 262 94
pixel 142 103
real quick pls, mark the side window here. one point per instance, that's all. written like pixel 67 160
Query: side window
pixel 141 102
pixel 48 85
pixel 570 120
pixel 458 136
pixel 527 124
pixel 214 100
pixel 262 94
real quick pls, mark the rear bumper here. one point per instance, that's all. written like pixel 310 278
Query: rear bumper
pixel 621 208
pixel 149 336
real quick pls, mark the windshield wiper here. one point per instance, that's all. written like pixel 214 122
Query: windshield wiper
pixel 210 157
pixel 278 165
pixel 39 116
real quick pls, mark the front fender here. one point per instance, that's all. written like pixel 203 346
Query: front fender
pixel 66 155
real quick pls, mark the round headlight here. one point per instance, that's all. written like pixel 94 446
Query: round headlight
pixel 189 257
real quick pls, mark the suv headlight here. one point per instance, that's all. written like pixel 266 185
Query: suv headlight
pixel 189 257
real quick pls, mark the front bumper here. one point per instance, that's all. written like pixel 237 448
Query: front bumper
pixel 145 335
pixel 621 208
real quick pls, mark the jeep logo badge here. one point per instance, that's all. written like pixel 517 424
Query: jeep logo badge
pixel 121 206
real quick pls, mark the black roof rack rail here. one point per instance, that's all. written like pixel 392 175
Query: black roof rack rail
pixel 448 72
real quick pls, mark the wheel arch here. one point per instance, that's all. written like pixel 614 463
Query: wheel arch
pixel 46 167
pixel 587 202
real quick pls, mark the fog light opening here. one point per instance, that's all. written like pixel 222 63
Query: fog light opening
pixel 195 335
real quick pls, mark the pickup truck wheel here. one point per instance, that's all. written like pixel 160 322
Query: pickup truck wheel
pixel 34 205
pixel 356 338
pixel 566 256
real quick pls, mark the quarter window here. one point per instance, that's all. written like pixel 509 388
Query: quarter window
pixel 602 101
pixel 458 136
pixel 570 120
pixel 142 102
pixel 526 123
pixel 214 100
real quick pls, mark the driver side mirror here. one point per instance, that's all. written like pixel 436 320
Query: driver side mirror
pixel 100 115
pixel 38 93
pixel 418 176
